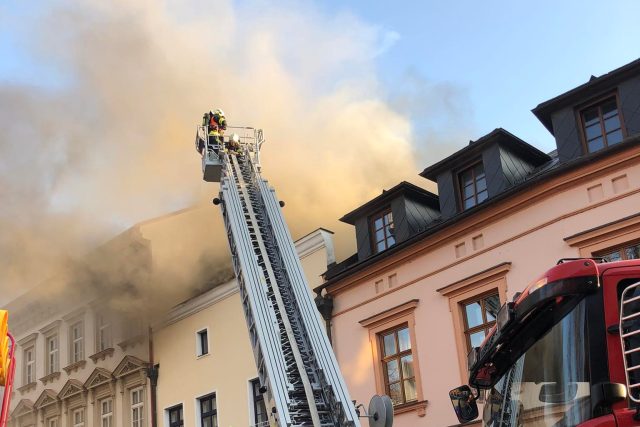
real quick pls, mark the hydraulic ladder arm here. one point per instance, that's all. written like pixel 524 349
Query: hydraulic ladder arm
pixel 296 364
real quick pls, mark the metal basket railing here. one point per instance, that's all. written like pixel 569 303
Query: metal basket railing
pixel 630 338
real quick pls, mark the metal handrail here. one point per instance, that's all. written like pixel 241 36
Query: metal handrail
pixel 629 329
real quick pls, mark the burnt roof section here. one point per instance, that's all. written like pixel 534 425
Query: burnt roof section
pixel 475 148
pixel 405 188
pixel 547 171
pixel 594 87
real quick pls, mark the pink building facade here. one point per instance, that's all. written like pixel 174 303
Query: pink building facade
pixel 431 271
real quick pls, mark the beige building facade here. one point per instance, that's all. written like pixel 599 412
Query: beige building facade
pixel 431 271
pixel 207 372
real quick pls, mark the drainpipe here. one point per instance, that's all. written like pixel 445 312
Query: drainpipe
pixel 325 307
pixel 152 374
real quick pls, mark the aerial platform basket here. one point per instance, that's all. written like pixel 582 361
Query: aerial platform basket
pixel 213 154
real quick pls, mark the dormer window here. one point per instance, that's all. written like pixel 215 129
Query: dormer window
pixel 473 186
pixel 601 125
pixel 382 231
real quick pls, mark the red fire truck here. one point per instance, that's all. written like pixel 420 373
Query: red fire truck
pixel 7 366
pixel 564 353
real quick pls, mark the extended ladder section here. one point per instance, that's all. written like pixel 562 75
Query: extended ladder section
pixel 630 338
pixel 293 355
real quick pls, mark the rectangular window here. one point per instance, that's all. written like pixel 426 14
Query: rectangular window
pixel 479 316
pixel 382 231
pixel 175 416
pixel 103 332
pixel 601 125
pixel 78 418
pixel 76 340
pixel 397 364
pixel 52 422
pixel 29 365
pixel 137 407
pixel 627 251
pixel 208 411
pixel 106 413
pixel 473 186
pixel 203 342
pixel 260 416
pixel 52 354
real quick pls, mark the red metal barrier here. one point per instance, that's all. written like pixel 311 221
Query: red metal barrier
pixel 8 388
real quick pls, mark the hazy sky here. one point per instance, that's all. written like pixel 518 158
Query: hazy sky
pixel 99 99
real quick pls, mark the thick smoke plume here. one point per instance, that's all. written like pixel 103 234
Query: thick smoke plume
pixel 103 139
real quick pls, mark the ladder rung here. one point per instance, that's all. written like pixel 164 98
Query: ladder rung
pixel 630 334
pixel 634 385
pixel 631 300
pixel 634 350
pixel 633 368
pixel 631 316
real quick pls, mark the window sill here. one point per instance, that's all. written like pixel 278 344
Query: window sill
pixel 101 355
pixel 50 378
pixel 202 356
pixel 420 408
pixel 28 387
pixel 75 366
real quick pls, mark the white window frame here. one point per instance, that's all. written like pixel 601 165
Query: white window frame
pixel 53 354
pixel 29 365
pixel 199 352
pixel 139 406
pixel 106 418
pixel 52 422
pixel 104 332
pixel 75 422
pixel 76 356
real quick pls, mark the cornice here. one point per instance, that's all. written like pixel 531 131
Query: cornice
pixel 316 241
pixel 28 339
pixel 499 270
pixel 51 327
pixel 200 302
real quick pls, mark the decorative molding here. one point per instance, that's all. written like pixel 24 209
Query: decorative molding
pixel 28 387
pixel 22 342
pixel 24 407
pixel 459 286
pixel 51 327
pixel 75 366
pixel 75 314
pixel 131 342
pixel 101 355
pixel 390 314
pixel 50 378
pixel 129 365
pixel 420 408
pixel 605 231
pixel 98 377
pixel 315 241
pixel 200 302
pixel 47 397
pixel 72 388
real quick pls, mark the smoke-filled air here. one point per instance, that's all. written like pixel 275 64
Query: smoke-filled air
pixel 100 136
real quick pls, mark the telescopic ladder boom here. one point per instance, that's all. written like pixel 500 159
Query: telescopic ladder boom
pixel 294 358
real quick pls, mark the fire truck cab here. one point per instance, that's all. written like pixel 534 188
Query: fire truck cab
pixel 564 353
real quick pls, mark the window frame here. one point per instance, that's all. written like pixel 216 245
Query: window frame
pixel 104 326
pixel 73 357
pixel 256 399
pixel 52 366
pixel 471 165
pixel 214 411
pixel 618 248
pixel 385 321
pixel 180 422
pixel 381 214
pixel 75 423
pixel 200 351
pixel 138 405
pixel 29 379
pixel 486 325
pixel 106 415
pixel 581 108
pixel 384 360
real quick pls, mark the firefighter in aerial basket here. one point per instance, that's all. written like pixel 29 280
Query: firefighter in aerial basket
pixel 216 123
